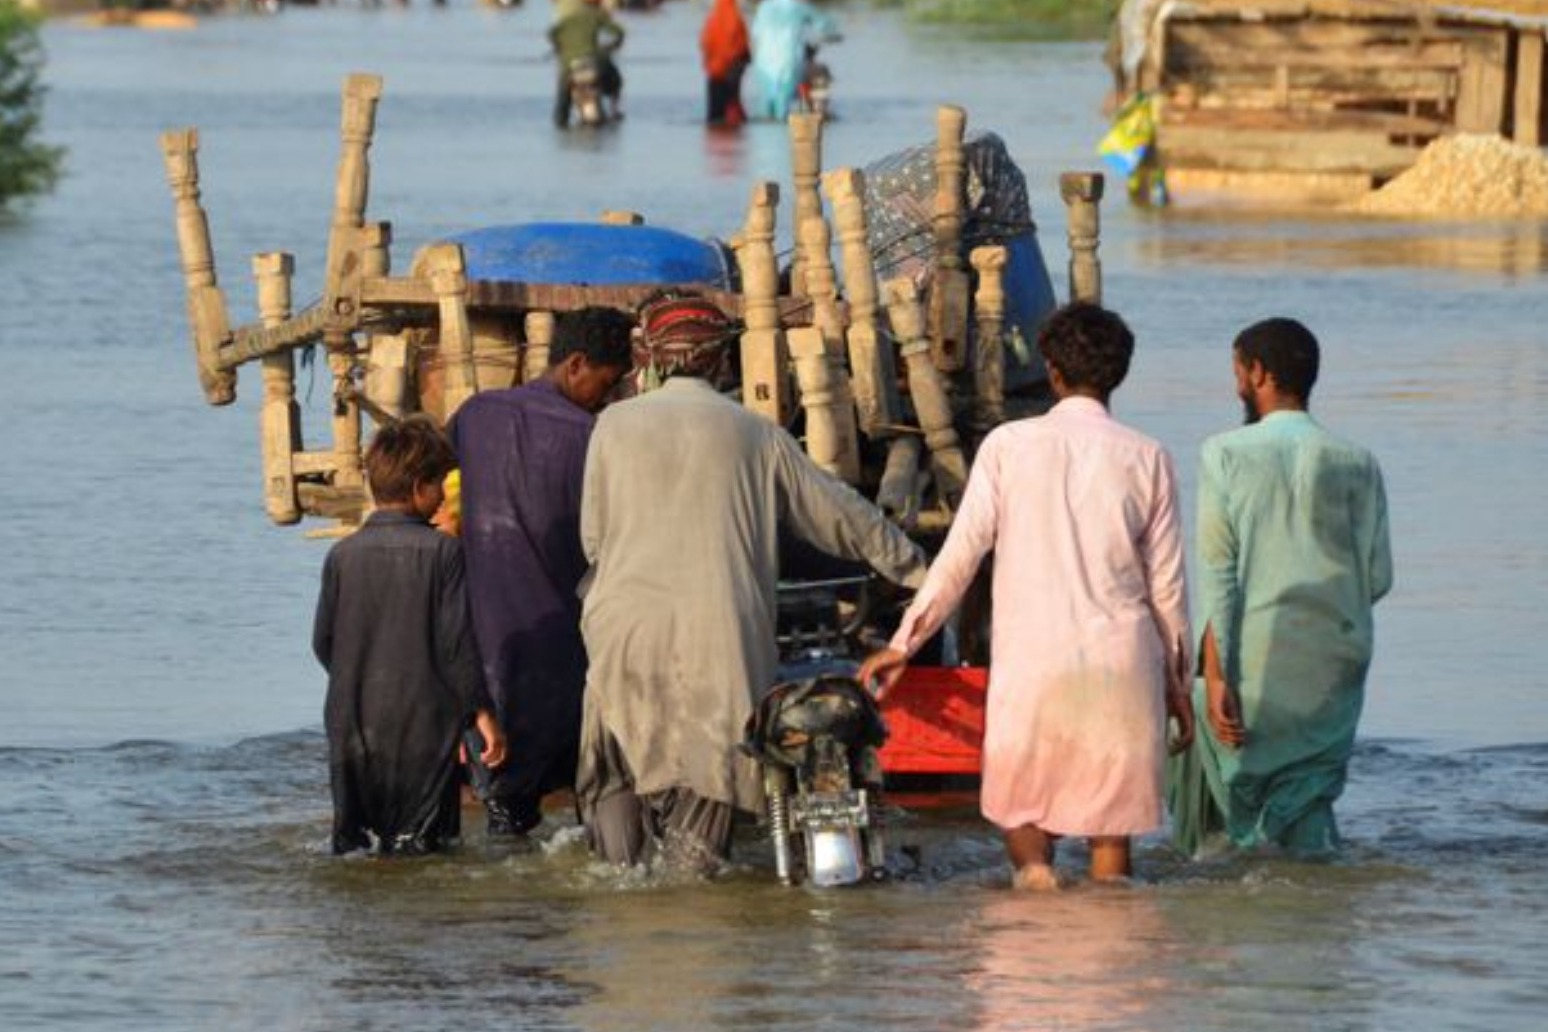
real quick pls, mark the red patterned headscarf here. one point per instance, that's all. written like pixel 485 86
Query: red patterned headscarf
pixel 681 333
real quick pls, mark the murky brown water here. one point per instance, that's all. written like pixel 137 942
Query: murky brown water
pixel 162 789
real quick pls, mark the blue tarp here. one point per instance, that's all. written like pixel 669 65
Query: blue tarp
pixel 591 254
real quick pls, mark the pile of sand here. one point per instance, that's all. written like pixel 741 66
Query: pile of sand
pixel 1467 176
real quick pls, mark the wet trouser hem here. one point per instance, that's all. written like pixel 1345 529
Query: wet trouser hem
pixel 513 814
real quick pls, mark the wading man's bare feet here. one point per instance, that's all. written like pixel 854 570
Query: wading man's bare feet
pixel 1031 852
pixel 1035 878
pixel 1110 859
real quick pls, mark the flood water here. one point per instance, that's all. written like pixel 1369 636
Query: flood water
pixel 163 795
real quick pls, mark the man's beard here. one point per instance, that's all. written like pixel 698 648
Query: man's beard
pixel 1250 413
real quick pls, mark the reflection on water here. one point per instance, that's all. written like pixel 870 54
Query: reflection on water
pixel 675 958
pixel 1516 249
pixel 1085 959
pixel 724 152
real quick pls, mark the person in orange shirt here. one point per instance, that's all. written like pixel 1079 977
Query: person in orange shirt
pixel 726 54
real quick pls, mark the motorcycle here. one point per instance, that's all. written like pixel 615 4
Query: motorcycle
pixel 816 737
pixel 585 75
pixel 816 84
pixel 589 88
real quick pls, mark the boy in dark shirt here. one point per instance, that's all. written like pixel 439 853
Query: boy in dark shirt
pixel 404 676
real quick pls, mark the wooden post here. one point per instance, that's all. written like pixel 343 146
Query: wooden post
pixel 989 346
pixel 1282 87
pixel 805 168
pixel 279 419
pixel 1482 89
pixel 443 264
pixel 870 358
pixel 375 250
pixel 348 470
pixel 207 318
pixel 539 327
pixel 949 294
pixel 830 417
pixel 386 356
pixel 1082 194
pixel 898 493
pixel 821 286
pixel 345 269
pixel 386 377
pixel 928 389
pixel 1529 88
pixel 497 359
pixel 763 343
pixel 822 292
pixel 345 265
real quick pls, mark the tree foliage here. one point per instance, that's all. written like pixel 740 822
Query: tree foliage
pixel 27 166
pixel 1031 19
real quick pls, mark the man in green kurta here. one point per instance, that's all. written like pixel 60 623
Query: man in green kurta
pixel 685 491
pixel 1292 554
pixel 583 29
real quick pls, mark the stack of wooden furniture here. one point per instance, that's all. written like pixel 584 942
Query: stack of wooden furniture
pixel 891 388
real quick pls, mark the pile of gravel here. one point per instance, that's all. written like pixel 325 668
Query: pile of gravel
pixel 1467 176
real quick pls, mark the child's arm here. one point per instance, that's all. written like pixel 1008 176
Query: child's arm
pixel 494 739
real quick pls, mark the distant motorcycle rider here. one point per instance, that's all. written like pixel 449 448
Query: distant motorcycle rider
pixel 584 29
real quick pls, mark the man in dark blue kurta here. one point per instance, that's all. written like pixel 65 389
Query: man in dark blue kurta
pixel 522 455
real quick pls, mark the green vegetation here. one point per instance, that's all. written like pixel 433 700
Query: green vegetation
pixel 1036 19
pixel 26 166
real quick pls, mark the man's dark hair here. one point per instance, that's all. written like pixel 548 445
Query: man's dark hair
pixel 402 454
pixel 1089 345
pixel 1287 351
pixel 601 334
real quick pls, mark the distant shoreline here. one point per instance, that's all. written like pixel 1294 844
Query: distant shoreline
pixel 52 8
pixel 1032 19
pixel 70 8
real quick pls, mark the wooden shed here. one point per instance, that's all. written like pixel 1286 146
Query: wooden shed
pixel 1324 100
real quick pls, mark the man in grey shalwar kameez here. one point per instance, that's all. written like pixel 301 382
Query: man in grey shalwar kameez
pixel 684 494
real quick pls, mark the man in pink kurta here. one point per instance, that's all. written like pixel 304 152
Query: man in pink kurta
pixel 1090 638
